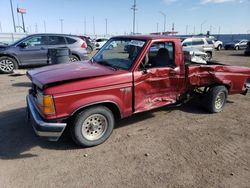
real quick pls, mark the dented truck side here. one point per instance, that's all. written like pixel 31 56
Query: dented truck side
pixel 90 96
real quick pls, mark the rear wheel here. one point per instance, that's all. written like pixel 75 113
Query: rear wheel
pixel 93 126
pixel 216 98
pixel 209 56
pixel 7 64
pixel 73 58
pixel 219 47
pixel 89 49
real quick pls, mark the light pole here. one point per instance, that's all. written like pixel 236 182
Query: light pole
pixel 61 20
pixel 44 25
pixel 84 25
pixel 13 19
pixel 202 25
pixel 134 9
pixel 106 24
pixel 157 27
pixel 186 29
pixel 93 25
pixel 164 15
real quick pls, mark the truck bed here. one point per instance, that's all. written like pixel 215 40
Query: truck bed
pixel 234 77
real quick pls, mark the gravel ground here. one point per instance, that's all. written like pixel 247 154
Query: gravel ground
pixel 169 147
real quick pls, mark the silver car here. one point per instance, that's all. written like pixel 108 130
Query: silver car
pixel 33 50
pixel 202 44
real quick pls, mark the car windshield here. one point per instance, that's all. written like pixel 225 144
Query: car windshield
pixel 119 53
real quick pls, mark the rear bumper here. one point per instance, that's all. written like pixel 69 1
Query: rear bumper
pixel 48 130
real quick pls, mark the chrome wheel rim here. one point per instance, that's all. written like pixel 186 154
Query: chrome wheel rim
pixel 73 59
pixel 220 100
pixel 6 65
pixel 94 127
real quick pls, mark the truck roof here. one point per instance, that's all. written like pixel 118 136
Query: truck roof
pixel 146 37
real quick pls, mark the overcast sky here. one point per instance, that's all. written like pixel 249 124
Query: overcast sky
pixel 232 16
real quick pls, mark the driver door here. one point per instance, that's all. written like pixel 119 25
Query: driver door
pixel 155 84
pixel 34 51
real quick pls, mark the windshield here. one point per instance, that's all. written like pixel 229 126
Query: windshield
pixel 119 53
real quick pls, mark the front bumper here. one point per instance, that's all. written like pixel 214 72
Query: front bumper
pixel 48 130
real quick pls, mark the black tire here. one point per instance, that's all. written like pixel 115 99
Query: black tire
pixel 73 58
pixel 7 64
pixel 89 49
pixel 219 47
pixel 215 99
pixel 209 56
pixel 86 125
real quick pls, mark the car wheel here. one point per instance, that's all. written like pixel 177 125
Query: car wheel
pixel 89 49
pixel 93 126
pixel 209 56
pixel 216 98
pixel 7 64
pixel 219 47
pixel 73 58
pixel 237 47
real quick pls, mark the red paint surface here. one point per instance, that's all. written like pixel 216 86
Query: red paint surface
pixel 77 85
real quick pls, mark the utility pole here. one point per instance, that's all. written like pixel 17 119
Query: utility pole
pixel 134 9
pixel 93 25
pixel 164 24
pixel 18 22
pixel 106 24
pixel 84 25
pixel 172 28
pixel 202 25
pixel 13 19
pixel 186 29
pixel 36 30
pixel 61 20
pixel 210 29
pixel 44 25
pixel 157 27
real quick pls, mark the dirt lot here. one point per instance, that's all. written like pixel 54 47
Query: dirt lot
pixel 169 147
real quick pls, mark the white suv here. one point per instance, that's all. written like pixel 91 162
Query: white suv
pixel 202 44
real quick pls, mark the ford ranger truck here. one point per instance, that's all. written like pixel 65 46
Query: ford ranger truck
pixel 140 73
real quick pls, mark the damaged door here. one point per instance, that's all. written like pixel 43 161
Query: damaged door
pixel 156 81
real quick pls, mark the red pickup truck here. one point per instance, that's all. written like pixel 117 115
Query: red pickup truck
pixel 130 74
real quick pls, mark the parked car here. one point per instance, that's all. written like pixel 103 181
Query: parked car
pixel 247 51
pixel 90 44
pixel 202 44
pixel 90 97
pixel 217 43
pixel 99 42
pixel 236 45
pixel 33 50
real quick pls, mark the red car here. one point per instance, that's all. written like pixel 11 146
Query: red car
pixel 90 96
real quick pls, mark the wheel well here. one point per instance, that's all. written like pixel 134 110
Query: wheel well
pixel 7 55
pixel 76 56
pixel 111 106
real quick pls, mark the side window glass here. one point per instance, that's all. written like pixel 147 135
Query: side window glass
pixel 56 40
pixel 36 41
pixel 160 54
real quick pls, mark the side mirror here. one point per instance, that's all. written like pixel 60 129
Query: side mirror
pixel 22 45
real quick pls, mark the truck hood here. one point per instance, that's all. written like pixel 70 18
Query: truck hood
pixel 68 72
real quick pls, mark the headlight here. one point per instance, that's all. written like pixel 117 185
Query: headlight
pixel 46 103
